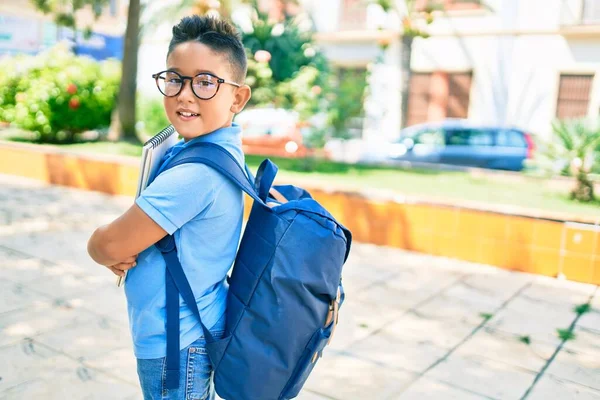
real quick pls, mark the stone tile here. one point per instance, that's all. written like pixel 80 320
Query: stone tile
pixel 421 284
pixel 121 363
pixel 581 368
pixel 585 341
pixel 65 286
pixel 428 389
pixel 507 349
pixel 89 340
pixel 483 376
pixel 306 395
pixel 388 350
pixel 358 276
pixel 550 387
pixel 25 269
pixel 444 334
pixel 15 296
pixel 537 319
pixel 25 361
pixel 358 320
pixel 68 382
pixel 110 303
pixel 344 377
pixel 37 319
pixel 590 320
pixel 449 308
pixel 560 293
pixel 403 291
pixel 67 248
pixel 498 282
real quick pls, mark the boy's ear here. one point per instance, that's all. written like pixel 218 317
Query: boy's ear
pixel 242 95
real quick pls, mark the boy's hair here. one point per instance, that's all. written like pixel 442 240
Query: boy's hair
pixel 217 34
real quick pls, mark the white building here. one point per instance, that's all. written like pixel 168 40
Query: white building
pixel 520 62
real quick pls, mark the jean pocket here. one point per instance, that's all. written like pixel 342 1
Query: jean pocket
pixel 198 373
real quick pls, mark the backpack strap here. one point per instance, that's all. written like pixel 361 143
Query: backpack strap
pixel 219 159
pixel 176 282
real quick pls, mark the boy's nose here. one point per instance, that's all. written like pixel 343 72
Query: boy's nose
pixel 186 92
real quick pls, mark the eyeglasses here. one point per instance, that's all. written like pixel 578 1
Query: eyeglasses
pixel 204 86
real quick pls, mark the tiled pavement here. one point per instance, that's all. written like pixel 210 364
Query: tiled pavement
pixel 413 326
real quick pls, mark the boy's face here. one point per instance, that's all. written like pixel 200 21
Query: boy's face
pixel 190 59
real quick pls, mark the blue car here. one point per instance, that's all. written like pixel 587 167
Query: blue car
pixel 459 142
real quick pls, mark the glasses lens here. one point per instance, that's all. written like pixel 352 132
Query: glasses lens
pixel 169 83
pixel 205 86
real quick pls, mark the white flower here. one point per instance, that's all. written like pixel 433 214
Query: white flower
pixel 278 30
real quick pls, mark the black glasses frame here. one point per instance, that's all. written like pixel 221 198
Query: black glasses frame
pixel 191 79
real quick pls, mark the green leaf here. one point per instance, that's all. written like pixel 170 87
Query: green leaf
pixel 565 334
pixel 582 308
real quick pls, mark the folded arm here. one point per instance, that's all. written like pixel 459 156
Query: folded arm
pixel 124 238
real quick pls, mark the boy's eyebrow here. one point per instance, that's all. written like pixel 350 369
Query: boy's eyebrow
pixel 198 71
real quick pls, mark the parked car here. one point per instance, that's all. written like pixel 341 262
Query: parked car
pixel 460 142
pixel 271 132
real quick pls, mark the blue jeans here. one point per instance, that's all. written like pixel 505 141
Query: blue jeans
pixel 195 379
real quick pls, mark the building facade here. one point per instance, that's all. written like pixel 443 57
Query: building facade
pixel 515 62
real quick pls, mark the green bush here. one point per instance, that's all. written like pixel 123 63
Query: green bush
pixel 151 116
pixel 57 94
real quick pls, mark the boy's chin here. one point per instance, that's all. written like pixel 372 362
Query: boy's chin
pixel 189 132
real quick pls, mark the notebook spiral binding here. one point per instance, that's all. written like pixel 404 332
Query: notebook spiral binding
pixel 161 136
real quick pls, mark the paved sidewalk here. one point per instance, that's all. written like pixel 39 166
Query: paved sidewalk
pixel 413 326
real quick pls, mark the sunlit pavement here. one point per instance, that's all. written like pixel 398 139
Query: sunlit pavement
pixel 412 327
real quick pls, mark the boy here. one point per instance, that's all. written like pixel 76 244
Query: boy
pixel 192 201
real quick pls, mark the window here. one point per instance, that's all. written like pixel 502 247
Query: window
pixel 459 89
pixel 418 98
pixel 510 138
pixel 469 137
pixel 438 95
pixel 573 95
pixel 429 137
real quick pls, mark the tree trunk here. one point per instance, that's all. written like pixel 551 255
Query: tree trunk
pixel 406 56
pixel 124 125
pixel 584 189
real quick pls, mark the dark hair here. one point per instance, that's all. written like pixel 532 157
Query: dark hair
pixel 215 33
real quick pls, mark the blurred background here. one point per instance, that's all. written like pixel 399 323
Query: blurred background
pixel 458 140
pixel 360 87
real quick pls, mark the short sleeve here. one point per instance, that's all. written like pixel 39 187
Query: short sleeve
pixel 178 195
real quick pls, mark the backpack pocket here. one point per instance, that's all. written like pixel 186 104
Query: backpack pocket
pixel 307 362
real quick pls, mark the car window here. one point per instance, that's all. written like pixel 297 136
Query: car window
pixel 470 137
pixel 429 137
pixel 510 138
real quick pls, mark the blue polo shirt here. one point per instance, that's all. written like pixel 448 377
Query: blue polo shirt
pixel 205 212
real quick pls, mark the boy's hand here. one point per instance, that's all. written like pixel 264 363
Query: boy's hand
pixel 120 268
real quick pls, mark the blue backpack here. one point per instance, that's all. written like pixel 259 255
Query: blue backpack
pixel 285 288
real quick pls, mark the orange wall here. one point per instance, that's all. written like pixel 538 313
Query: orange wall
pixel 520 243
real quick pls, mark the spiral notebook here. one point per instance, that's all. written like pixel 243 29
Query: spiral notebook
pixel 152 154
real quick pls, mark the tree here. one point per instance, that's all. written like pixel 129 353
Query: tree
pixel 571 151
pixel 407 11
pixel 124 119
pixel 64 11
